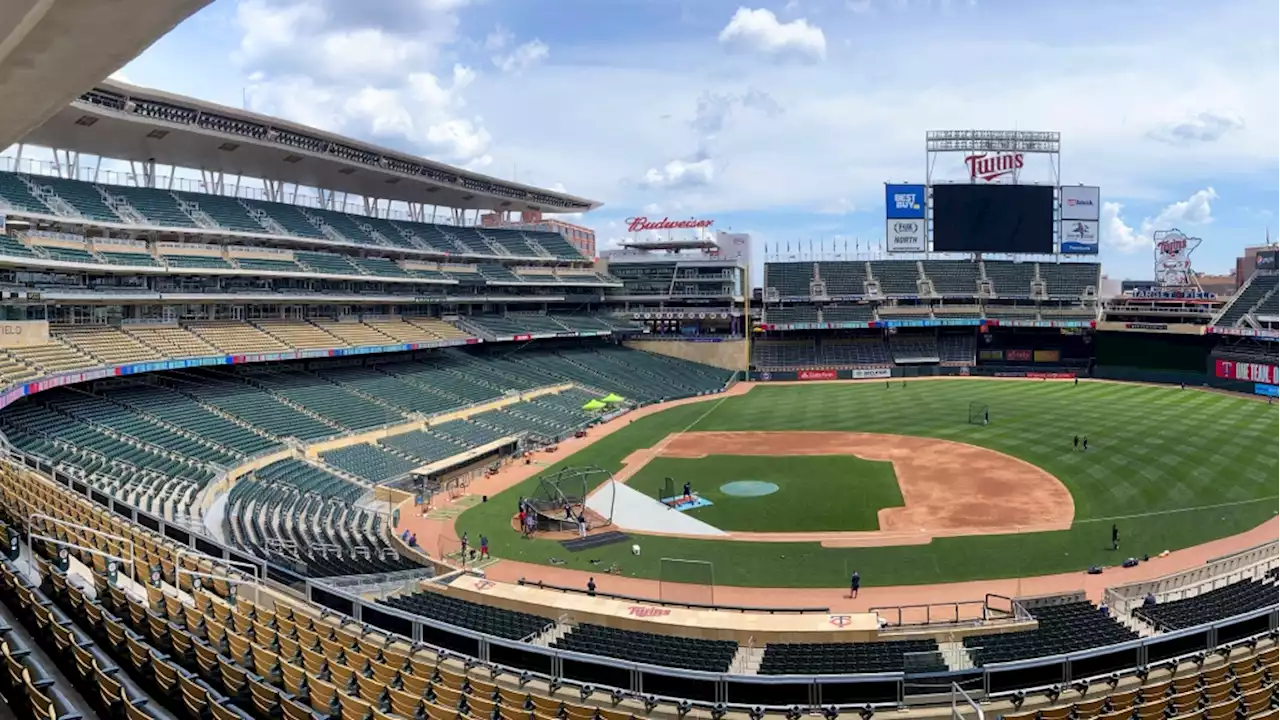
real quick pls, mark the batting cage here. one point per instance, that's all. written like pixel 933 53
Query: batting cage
pixel 978 414
pixel 667 491
pixel 687 581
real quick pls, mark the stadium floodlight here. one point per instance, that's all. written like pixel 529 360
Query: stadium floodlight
pixel 1024 141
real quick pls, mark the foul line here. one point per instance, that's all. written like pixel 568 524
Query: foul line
pixel 1157 513
pixel 667 440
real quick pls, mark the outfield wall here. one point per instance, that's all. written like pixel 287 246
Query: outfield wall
pixel 727 354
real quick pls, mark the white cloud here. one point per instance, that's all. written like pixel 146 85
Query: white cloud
pixel 119 76
pixel 522 58
pixel 369 71
pixel 680 174
pixel 859 6
pixel 1203 127
pixel 498 39
pixel 1117 234
pixel 759 31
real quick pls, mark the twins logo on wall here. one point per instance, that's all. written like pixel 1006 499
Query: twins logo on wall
pixel 1173 257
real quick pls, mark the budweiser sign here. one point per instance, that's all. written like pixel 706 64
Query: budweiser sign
pixel 640 224
pixel 988 167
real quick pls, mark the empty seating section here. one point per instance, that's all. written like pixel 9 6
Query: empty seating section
pixel 1245 300
pixel 13 371
pixel 843 277
pixel 159 207
pixel 268 265
pixel 426 392
pixel 1063 628
pixel 895 278
pixel 1070 279
pixel 424 447
pixel 14 247
pixel 353 332
pixel 67 254
pixel 1010 279
pixel 405 330
pixel 370 462
pixel 82 196
pixel 326 263
pixel 854 351
pixel 306 518
pixel 126 423
pixel 115 463
pixel 230 336
pixel 206 262
pixel 379 266
pixel 171 340
pixel 468 433
pixel 166 209
pixel 790 279
pixel 15 193
pixel 953 277
pixel 139 258
pixel 327 400
pixel 54 357
pixel 848 313
pixel 183 412
pixel 432 380
pixel 345 225
pixel 957 349
pixel 108 345
pixel 784 353
pixel 781 315
pixel 651 649
pixel 1217 604
pixel 911 349
pixel 850 658
pixel 224 210
pixel 460 613
pixel 298 334
pixel 254 406
pixel 497 273
pixel 289 217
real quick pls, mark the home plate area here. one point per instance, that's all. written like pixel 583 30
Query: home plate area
pixel 686 502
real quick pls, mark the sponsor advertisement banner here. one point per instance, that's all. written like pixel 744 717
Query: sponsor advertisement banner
pixel 1247 371
pixel 1268 390
pixel 1049 356
pixel 991 355
pixel 1265 260
pixel 1080 203
pixel 867 373
pixel 904 235
pixel 1244 331
pixel 1078 237
pixel 816 375
pixel 24 333
pixel 1017 355
pixel 904 202
pixel 1037 375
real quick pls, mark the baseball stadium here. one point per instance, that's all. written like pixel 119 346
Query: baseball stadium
pixel 269 452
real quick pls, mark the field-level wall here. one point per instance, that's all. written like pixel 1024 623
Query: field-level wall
pixel 727 354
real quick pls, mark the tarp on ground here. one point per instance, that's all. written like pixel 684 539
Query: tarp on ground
pixel 594 405
pixel 612 398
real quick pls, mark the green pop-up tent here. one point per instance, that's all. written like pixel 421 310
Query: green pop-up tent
pixel 594 405
pixel 612 398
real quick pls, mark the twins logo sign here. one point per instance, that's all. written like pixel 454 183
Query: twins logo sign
pixel 1173 257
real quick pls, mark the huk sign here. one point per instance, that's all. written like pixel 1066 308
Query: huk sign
pixel 640 224
pixel 989 166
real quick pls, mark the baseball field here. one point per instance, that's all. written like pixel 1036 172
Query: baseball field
pixel 897 483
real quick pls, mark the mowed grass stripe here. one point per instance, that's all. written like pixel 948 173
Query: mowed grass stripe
pixel 1173 468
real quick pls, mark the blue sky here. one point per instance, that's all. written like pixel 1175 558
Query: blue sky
pixel 782 119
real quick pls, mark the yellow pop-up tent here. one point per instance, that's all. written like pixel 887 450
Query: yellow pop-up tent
pixel 594 405
pixel 612 398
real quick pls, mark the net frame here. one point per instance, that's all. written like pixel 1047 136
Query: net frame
pixel 978 413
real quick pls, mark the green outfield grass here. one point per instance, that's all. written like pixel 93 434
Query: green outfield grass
pixel 1173 468
pixel 818 492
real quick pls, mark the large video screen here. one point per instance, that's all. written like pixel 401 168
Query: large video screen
pixel 993 218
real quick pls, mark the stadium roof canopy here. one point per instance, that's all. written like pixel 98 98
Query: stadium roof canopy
pixel 117 120
pixel 51 50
